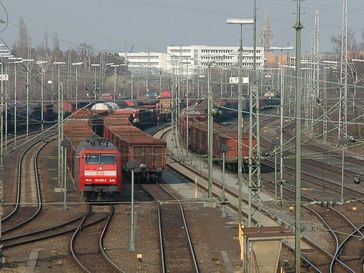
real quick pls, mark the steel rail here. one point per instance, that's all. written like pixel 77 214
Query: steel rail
pixel 330 229
pixel 105 218
pixel 38 189
pixel 192 250
pixel 101 239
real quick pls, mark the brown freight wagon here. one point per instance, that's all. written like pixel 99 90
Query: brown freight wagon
pixel 75 131
pixel 134 144
pixel 222 138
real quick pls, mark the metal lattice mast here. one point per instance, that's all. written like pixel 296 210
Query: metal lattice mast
pixel 342 132
pixel 311 80
pixel 210 133
pixel 254 148
pixel 60 126
pixel 298 27
pixel 316 60
pixel 324 116
pixel 2 121
pixel 306 98
pixel 317 53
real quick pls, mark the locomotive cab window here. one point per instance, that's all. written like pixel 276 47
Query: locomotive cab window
pixel 107 159
pixel 100 159
pixel 92 159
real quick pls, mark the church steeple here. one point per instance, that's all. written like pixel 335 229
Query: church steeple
pixel 265 36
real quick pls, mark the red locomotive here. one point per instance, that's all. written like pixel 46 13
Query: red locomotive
pixel 94 162
pixel 134 144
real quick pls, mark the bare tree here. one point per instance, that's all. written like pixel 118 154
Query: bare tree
pixel 361 44
pixel 21 47
pixel 352 44
pixel 86 52
pixel 57 52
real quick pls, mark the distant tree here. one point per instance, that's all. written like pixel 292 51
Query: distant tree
pixel 352 44
pixel 361 44
pixel 57 52
pixel 85 54
pixel 43 52
pixel 21 48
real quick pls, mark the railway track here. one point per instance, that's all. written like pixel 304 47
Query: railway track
pixel 27 205
pixel 8 211
pixel 353 166
pixel 337 224
pixel 86 244
pixel 232 195
pixel 340 227
pixel 176 248
pixel 42 234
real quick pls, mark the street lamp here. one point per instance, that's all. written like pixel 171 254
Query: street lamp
pixel 95 83
pixel 132 165
pixel 240 22
pixel 76 89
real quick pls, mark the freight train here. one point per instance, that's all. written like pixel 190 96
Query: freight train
pixel 94 162
pixel 134 144
pixel 229 107
pixel 225 140
pixel 34 114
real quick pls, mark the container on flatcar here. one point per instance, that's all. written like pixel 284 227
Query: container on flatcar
pixel 105 107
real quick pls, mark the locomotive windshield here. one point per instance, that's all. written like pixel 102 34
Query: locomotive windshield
pixel 100 159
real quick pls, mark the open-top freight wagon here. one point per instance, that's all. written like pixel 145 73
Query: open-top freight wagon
pixel 225 140
pixel 134 144
pixel 94 162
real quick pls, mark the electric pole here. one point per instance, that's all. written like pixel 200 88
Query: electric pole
pixel 254 134
pixel 298 27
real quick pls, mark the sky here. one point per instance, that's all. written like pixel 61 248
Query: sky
pixel 142 25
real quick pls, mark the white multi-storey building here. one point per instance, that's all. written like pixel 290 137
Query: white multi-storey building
pixel 146 60
pixel 220 55
pixel 192 58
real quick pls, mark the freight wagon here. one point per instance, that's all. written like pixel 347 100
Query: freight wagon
pixel 223 139
pixel 94 162
pixel 134 144
pixel 229 107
